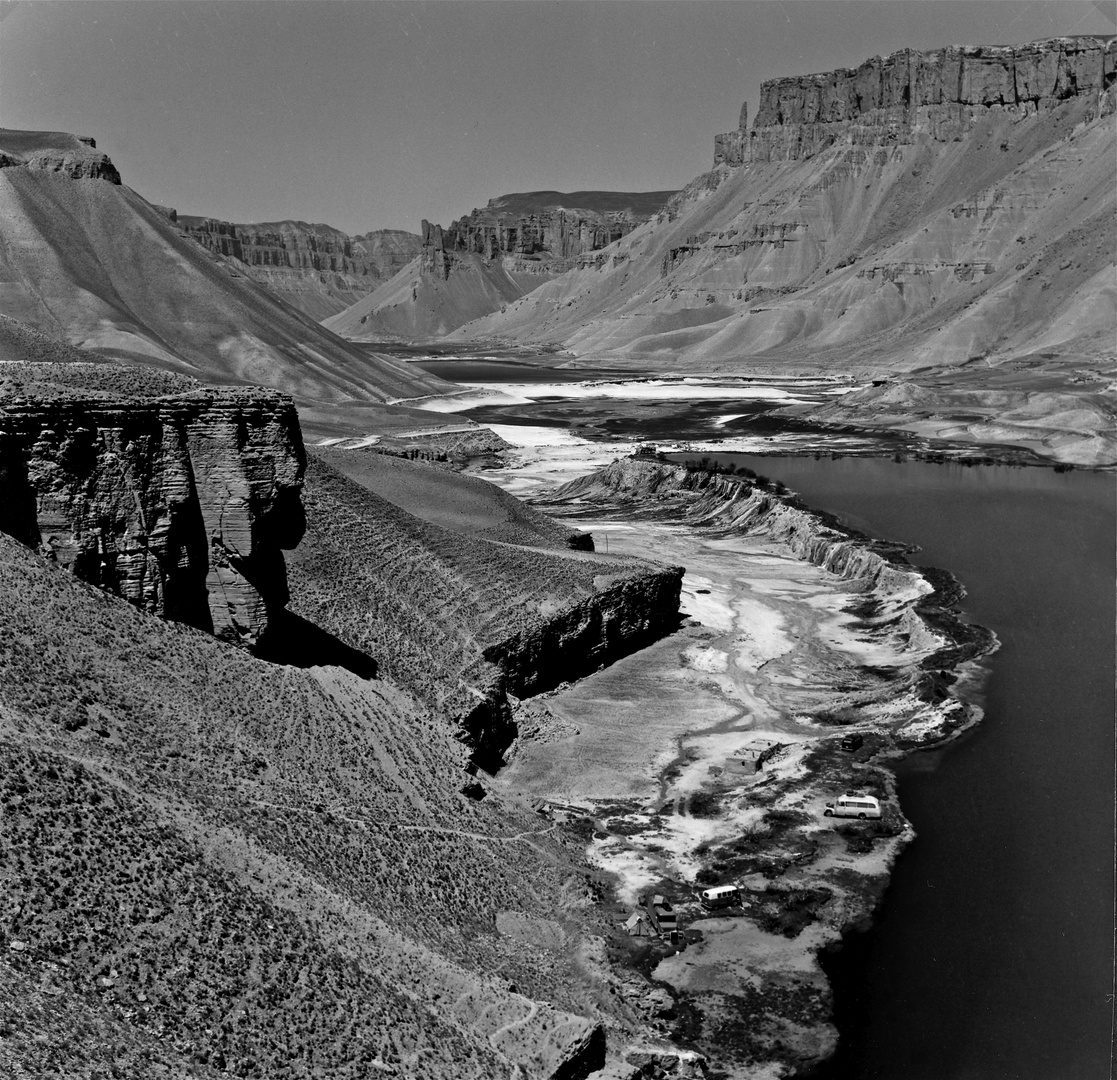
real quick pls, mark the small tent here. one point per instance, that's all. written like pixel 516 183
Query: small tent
pixel 637 925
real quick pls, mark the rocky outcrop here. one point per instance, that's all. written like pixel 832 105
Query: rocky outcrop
pixel 939 92
pixel 179 502
pixel 75 157
pixel 318 269
pixel 576 641
pixel 547 228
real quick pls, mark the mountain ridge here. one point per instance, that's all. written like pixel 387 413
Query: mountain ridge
pixel 881 242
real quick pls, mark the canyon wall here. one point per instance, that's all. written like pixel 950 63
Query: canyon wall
pixel 890 99
pixel 547 228
pixel 73 156
pixel 315 268
pixel 179 502
pixel 489 259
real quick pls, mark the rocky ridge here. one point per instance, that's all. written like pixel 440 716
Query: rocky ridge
pixel 178 500
pixel 941 92
pixel 925 212
pixel 74 156
pixel 87 261
pixel 488 259
pixel 316 268
pixel 545 231
pixel 466 623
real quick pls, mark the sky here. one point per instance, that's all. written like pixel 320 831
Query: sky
pixel 374 115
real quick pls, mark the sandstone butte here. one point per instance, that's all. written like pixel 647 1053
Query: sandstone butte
pixel 493 256
pixel 948 213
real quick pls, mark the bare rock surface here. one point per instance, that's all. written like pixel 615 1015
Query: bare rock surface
pixel 925 211
pixel 461 620
pixel 86 260
pixel 493 256
pixel 176 497
pixel 316 268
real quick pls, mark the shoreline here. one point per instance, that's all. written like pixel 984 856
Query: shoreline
pixel 729 966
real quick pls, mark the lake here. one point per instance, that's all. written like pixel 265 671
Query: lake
pixel 992 955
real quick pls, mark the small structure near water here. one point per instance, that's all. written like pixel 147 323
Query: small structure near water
pixel 761 751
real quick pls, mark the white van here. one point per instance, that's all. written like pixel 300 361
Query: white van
pixel 852 805
pixel 720 896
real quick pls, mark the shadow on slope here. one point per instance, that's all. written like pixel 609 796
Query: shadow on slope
pixel 293 640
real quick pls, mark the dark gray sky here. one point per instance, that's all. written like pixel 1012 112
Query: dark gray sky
pixel 369 115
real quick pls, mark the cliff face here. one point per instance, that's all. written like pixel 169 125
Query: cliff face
pixel 546 227
pixel 490 258
pixel 86 260
pixel 179 502
pixel 891 99
pixel 947 211
pixel 317 269
pixel 75 157
pixel 461 621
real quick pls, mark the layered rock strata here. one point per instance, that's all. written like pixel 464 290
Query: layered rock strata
pixel 548 230
pixel 318 269
pixel 179 502
pixel 73 156
pixel 467 623
pixel 938 92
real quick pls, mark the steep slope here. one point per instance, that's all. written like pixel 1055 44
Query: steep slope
pixel 235 867
pixel 492 256
pixel 462 617
pixel 924 209
pixel 87 260
pixel 317 269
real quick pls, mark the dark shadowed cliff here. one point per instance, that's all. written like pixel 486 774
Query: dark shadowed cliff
pixel 178 498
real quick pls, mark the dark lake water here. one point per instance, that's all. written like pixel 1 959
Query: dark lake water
pixel 992 958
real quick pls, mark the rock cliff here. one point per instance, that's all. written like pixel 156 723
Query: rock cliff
pixel 461 621
pixel 942 92
pixel 493 256
pixel 176 497
pixel 317 269
pixel 932 211
pixel 549 228
pixel 73 156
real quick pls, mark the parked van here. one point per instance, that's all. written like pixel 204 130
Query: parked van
pixel 720 896
pixel 851 805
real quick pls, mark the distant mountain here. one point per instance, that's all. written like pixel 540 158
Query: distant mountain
pixel 316 268
pixel 493 256
pixel 942 208
pixel 86 260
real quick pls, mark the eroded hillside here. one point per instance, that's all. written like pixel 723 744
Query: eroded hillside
pixel 464 618
pixel 493 256
pixel 259 869
pixel 86 260
pixel 317 269
pixel 920 212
